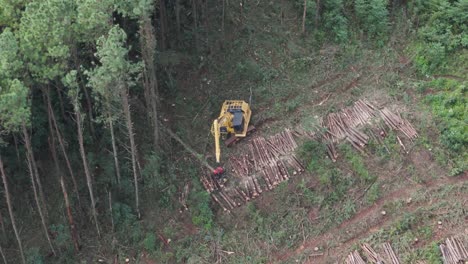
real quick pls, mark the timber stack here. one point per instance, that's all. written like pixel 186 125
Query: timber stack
pixel 344 124
pixel 354 258
pixel 391 256
pixel 454 250
pixel 269 162
pixel 370 254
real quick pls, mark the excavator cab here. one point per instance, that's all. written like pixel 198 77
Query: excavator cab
pixel 233 122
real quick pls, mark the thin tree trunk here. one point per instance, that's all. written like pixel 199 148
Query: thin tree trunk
pixel 282 12
pixel 2 223
pixel 86 169
pixel 62 146
pixel 195 24
pixel 30 158
pixel 53 150
pixel 150 84
pixel 62 108
pixel 317 14
pixel 223 17
pixel 3 255
pixel 242 12
pixel 111 213
pixel 71 222
pixel 16 149
pixel 10 211
pixel 188 148
pixel 114 151
pixel 90 110
pixel 177 13
pixel 304 13
pixel 163 19
pixel 36 175
pixel 133 150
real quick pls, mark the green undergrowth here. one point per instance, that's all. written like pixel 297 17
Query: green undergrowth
pixel 413 235
pixel 447 100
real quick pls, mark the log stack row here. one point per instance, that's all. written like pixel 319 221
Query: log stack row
pixel 391 256
pixel 210 183
pixel 267 163
pixel 339 124
pixel 371 256
pixel 396 122
pixel 454 250
pixel 354 258
pixel 343 125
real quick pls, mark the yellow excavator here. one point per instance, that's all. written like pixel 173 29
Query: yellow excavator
pixel 232 124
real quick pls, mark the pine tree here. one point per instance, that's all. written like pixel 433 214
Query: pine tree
pixel 116 74
pixel 373 17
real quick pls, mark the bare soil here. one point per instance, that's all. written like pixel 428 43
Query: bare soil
pixel 371 215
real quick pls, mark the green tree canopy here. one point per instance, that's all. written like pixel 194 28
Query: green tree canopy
pixel 44 34
pixel 14 106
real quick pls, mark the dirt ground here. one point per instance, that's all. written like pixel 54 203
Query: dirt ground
pixel 352 230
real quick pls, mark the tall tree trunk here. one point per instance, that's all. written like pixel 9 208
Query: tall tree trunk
pixel 3 255
pixel 223 17
pixel 282 15
pixel 71 222
pixel 90 110
pixel 163 19
pixel 2 222
pixel 62 108
pixel 317 14
pixel 16 149
pixel 36 175
pixel 177 14
pixel 86 169
pixel 62 145
pixel 150 80
pixel 53 150
pixel 195 24
pixel 242 12
pixel 304 14
pixel 133 149
pixel 111 212
pixel 114 151
pixel 10 211
pixel 30 158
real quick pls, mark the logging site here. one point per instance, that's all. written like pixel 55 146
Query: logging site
pixel 234 131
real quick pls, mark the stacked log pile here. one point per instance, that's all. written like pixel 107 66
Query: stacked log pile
pixel 267 163
pixel 210 183
pixel 339 124
pixel 354 258
pixel 395 122
pixel 344 124
pixel 391 256
pixel 454 251
pixel 370 254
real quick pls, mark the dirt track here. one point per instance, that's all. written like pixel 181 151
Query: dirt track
pixel 365 215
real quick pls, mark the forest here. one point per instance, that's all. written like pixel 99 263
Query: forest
pixel 106 149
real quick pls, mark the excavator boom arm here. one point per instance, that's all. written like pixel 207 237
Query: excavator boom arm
pixel 217 138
